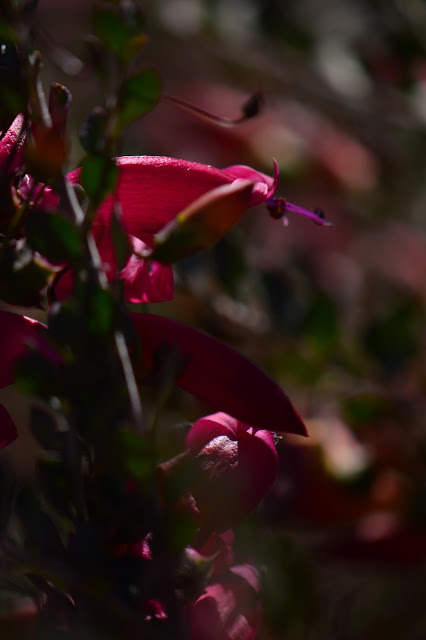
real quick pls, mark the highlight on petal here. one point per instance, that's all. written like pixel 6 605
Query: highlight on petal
pixel 12 142
pixel 8 431
pixel 238 466
pixel 16 334
pixel 218 375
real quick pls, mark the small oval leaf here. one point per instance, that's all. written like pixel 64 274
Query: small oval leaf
pixel 53 237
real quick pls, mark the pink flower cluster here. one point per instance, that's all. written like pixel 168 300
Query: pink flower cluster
pixel 235 447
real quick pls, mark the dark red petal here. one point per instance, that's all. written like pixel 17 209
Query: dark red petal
pixel 219 375
pixel 152 190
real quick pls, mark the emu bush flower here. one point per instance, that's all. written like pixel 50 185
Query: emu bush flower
pixel 238 467
pixel 153 190
pixel 175 207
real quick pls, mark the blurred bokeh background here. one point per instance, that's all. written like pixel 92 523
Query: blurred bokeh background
pixel 336 314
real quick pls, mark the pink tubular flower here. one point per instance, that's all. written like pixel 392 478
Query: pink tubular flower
pixel 218 375
pixel 238 467
pixel 153 191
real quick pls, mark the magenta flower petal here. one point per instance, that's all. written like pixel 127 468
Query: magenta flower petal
pixel 229 608
pixel 153 190
pixel 17 333
pixel 146 281
pixel 12 142
pixel 8 431
pixel 205 429
pixel 264 185
pixel 238 466
pixel 219 375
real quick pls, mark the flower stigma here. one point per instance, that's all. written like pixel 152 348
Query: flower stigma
pixel 278 208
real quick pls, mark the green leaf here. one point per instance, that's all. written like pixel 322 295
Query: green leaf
pixel 67 324
pixel 137 455
pixel 37 376
pixel 92 132
pixel 56 481
pixel 40 531
pixel 22 277
pixel 99 176
pixel 53 237
pixel 101 316
pixel 122 246
pixel 119 27
pixel 138 95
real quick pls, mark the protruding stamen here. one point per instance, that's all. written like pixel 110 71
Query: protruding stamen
pixel 249 109
pixel 279 207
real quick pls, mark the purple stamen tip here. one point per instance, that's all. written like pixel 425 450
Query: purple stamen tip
pixel 279 207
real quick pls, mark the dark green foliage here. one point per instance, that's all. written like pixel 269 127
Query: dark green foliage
pixel 122 245
pixel 119 26
pixel 392 338
pixel 55 238
pixel 22 276
pixel 99 176
pixel 44 429
pixel 138 95
pixel 93 131
pixel 136 455
pixel 40 532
